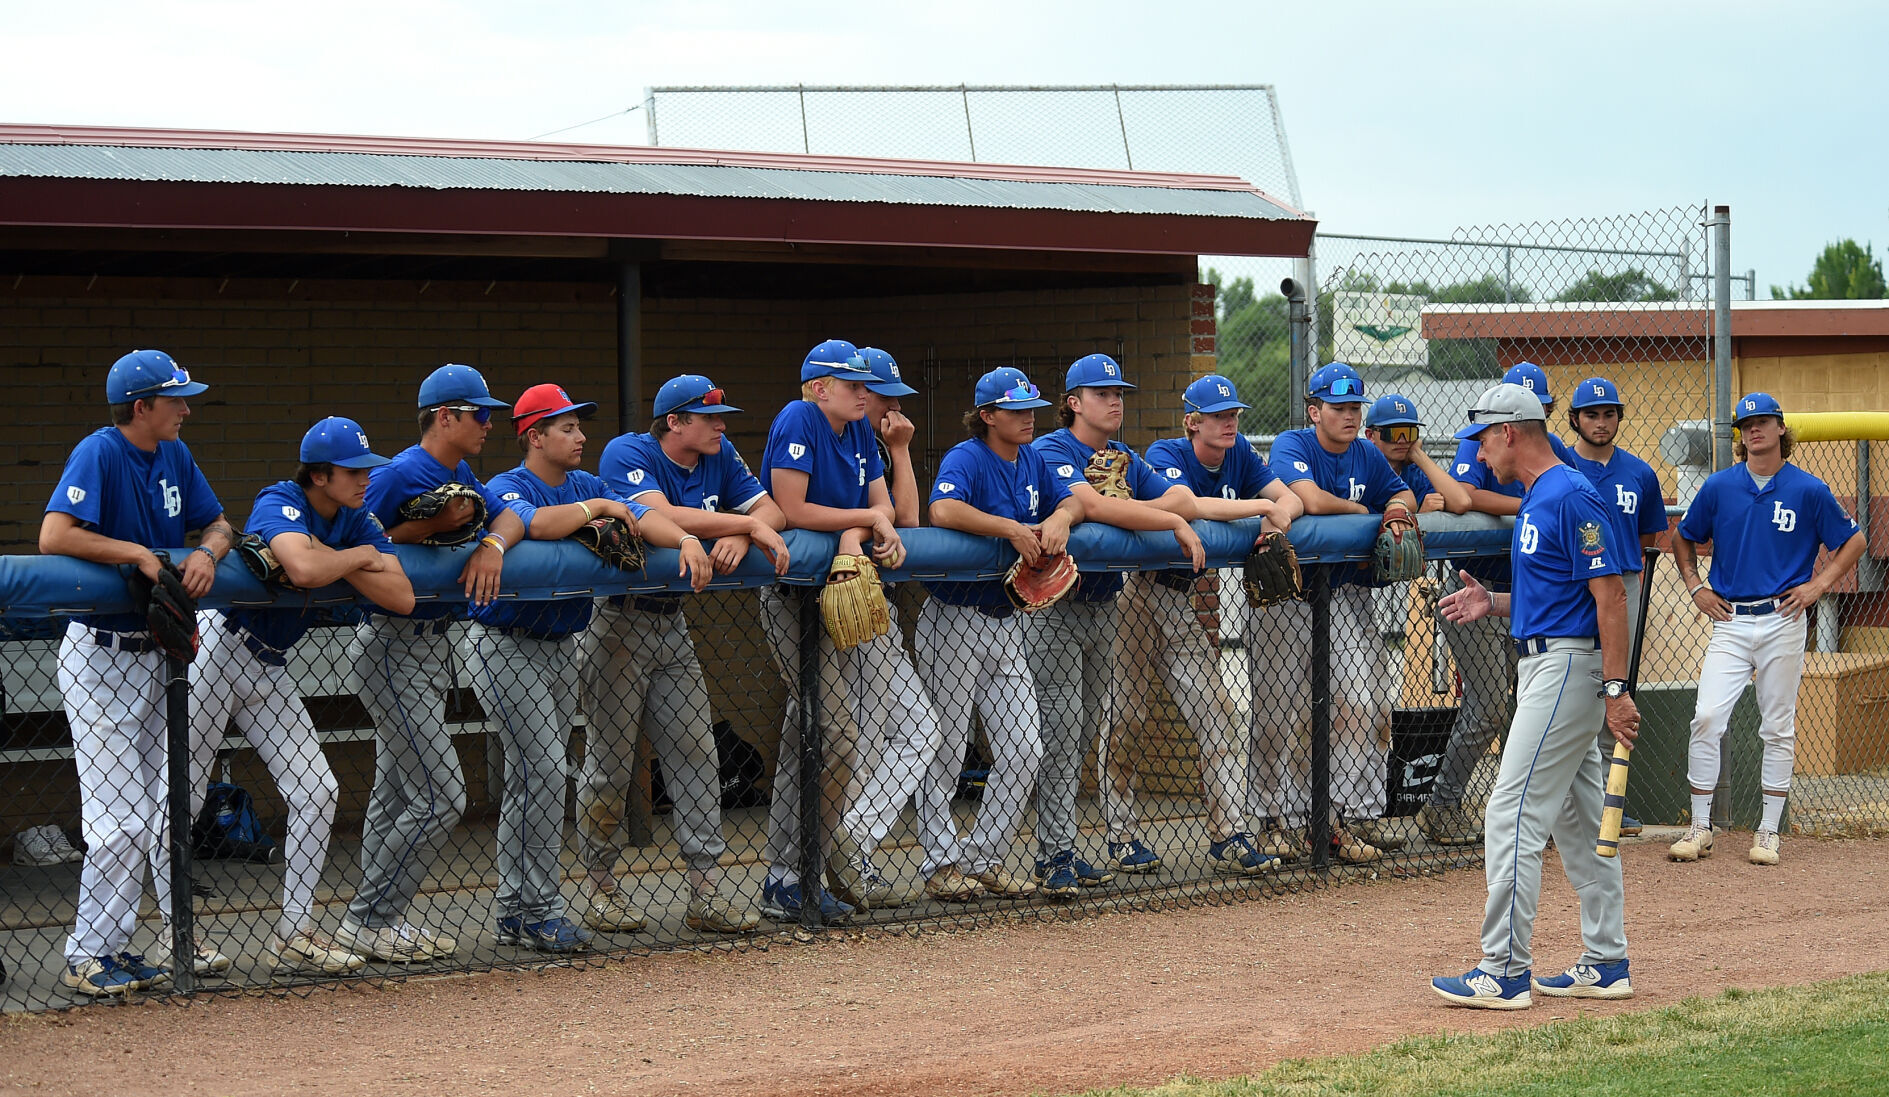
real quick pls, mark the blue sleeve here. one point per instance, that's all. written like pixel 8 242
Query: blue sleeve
pixel 738 484
pixel 1143 481
pixel 1290 462
pixel 1652 503
pixel 277 511
pixel 1382 480
pixel 201 506
pixel 792 430
pixel 588 486
pixel 1054 488
pixel 1580 511
pixel 1418 482
pixel 358 526
pixel 957 477
pixel 1255 473
pixel 1062 464
pixel 1696 526
pixel 1166 463
pixel 1561 450
pixel 512 499
pixel 1834 524
pixel 78 489
pixel 625 471
pixel 1465 469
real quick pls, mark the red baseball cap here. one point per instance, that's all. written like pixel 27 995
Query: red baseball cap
pixel 543 402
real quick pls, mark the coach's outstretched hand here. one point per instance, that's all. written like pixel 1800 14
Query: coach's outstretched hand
pixel 1472 603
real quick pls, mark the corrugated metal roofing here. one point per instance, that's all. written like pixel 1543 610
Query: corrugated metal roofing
pixel 462 173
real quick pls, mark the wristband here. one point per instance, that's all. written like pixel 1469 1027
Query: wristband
pixel 587 515
pixel 205 549
pixel 493 540
pixel 1694 592
pixel 688 537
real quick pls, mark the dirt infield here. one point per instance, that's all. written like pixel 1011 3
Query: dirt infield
pixel 1115 999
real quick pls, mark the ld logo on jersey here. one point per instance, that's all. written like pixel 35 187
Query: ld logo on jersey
pixel 796 450
pixel 75 495
pixel 1357 490
pixel 1591 545
pixel 711 502
pixel 293 514
pixel 1627 501
pixel 1527 535
pixel 1784 518
pixel 636 476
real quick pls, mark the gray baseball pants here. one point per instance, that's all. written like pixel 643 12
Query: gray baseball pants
pixel 1551 783
pixel 1072 656
pixel 528 688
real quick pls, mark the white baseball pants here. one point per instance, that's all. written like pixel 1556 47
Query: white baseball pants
pixel 1768 652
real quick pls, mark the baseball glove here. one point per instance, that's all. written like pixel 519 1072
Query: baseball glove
pixel 169 610
pixel 1271 573
pixel 1032 588
pixel 429 504
pixel 612 541
pixel 1107 473
pixel 259 558
pixel 853 604
pixel 1399 553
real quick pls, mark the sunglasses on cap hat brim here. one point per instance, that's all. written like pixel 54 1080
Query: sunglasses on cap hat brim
pixel 179 379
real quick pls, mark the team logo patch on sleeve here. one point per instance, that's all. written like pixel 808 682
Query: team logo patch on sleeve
pixel 1301 466
pixel 75 494
pixel 292 514
pixel 636 476
pixel 1065 471
pixel 946 487
pixel 1172 474
pixel 1591 542
pixel 796 450
pixel 510 497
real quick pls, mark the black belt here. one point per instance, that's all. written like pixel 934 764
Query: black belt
pixel 1757 609
pixel 263 652
pixel 137 643
pixel 665 606
pixel 1535 645
pixel 1174 580
pixel 435 626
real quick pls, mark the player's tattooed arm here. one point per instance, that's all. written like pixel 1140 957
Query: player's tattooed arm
pixel 1704 598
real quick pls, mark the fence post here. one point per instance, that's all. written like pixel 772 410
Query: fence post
pixel 1722 337
pixel 812 764
pixel 1318 822
pixel 1299 331
pixel 177 735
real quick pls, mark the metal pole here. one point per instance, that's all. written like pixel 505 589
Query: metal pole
pixel 805 146
pixel 177 735
pixel 1869 568
pixel 649 113
pixel 1299 330
pixel 1123 123
pixel 1318 826
pixel 629 344
pixel 1722 337
pixel 812 762
pixel 1508 277
pixel 969 134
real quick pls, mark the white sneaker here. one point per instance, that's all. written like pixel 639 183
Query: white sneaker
pixel 63 846
pixel 34 846
pixel 403 943
pixel 307 950
pixel 1764 848
pixel 1693 845
pixel 208 961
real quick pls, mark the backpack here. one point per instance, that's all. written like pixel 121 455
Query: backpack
pixel 227 828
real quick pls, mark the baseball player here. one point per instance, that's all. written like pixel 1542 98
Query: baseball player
pixel 1228 480
pixel 404 664
pixel 1078 642
pixel 320 533
pixel 1393 426
pixel 528 662
pixel 646 678
pixel 970 640
pixel 1485 660
pixel 1765 518
pixel 1567 616
pixel 127 489
pixel 1332 471
pixel 822 467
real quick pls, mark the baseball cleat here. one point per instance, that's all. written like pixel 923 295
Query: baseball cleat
pixel 101 977
pixel 1001 882
pixel 1448 825
pixel 1133 856
pixel 710 913
pixel 1056 877
pixel 1351 849
pixel 208 960
pixel 1236 855
pixel 1285 843
pixel 1092 876
pixel 951 886
pixel 397 944
pixel 1478 989
pixel 312 952
pixel 148 975
pixel 1693 845
pixel 608 912
pixel 549 935
pixel 1764 848
pixel 1387 835
pixel 1588 981
pixel 781 902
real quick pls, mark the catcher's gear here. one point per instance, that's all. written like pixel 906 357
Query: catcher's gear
pixel 1030 588
pixel 429 504
pixel 1271 574
pixel 853 605
pixel 1107 472
pixel 259 558
pixel 1399 553
pixel 169 610
pixel 611 539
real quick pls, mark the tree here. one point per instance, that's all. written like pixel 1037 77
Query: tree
pixel 1632 284
pixel 1254 341
pixel 1846 271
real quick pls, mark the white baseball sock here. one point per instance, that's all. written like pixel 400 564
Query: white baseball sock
pixel 1702 809
pixel 1773 813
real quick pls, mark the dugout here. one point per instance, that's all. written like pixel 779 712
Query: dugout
pixel 302 276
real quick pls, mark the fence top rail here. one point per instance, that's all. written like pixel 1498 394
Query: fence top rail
pixel 935 88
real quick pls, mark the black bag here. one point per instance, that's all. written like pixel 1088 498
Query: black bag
pixel 227 828
pixel 740 770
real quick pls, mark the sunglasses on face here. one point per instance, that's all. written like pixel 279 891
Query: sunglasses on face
pixel 481 416
pixel 1400 434
pixel 178 379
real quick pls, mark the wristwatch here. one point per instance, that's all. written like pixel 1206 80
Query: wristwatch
pixel 1612 688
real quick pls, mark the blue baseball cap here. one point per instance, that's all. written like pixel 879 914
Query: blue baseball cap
pixel 1336 383
pixel 690 392
pixel 1595 392
pixel 147 373
pixel 340 442
pixel 1006 387
pixel 1505 402
pixel 835 358
pixel 1095 371
pixel 456 384
pixel 889 382
pixel 1210 394
pixel 1754 404
pixel 1395 410
pixel 1531 377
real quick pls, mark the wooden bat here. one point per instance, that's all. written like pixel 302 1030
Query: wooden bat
pixel 1615 805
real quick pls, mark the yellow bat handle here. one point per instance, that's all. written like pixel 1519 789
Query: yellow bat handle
pixel 1615 805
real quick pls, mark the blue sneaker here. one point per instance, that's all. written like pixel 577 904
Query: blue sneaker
pixel 1056 877
pixel 1589 981
pixel 1478 989
pixel 148 975
pixel 1630 826
pixel 1237 855
pixel 550 935
pixel 781 902
pixel 100 977
pixel 1092 876
pixel 1133 856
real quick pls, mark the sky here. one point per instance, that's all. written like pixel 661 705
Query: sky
pixel 1404 119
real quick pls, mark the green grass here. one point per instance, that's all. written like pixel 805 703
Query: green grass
pixel 1828 1039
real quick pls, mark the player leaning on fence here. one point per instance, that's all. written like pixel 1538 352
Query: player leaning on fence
pixel 127 489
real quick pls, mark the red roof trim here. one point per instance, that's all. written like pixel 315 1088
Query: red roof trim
pixel 1654 321
pixel 623 154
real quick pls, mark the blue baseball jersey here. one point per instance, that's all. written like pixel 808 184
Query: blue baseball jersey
pixel 1416 480
pixel 1242 473
pixel 117 490
pixel 1066 455
pixel 1563 537
pixel 840 467
pixel 1764 540
pixel 1023 490
pixel 1630 488
pixel 1492 571
pixel 1361 474
pixel 557 616
pixel 635 464
pixel 413 471
pixel 283 507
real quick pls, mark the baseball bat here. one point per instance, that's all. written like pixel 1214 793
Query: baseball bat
pixel 1615 804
